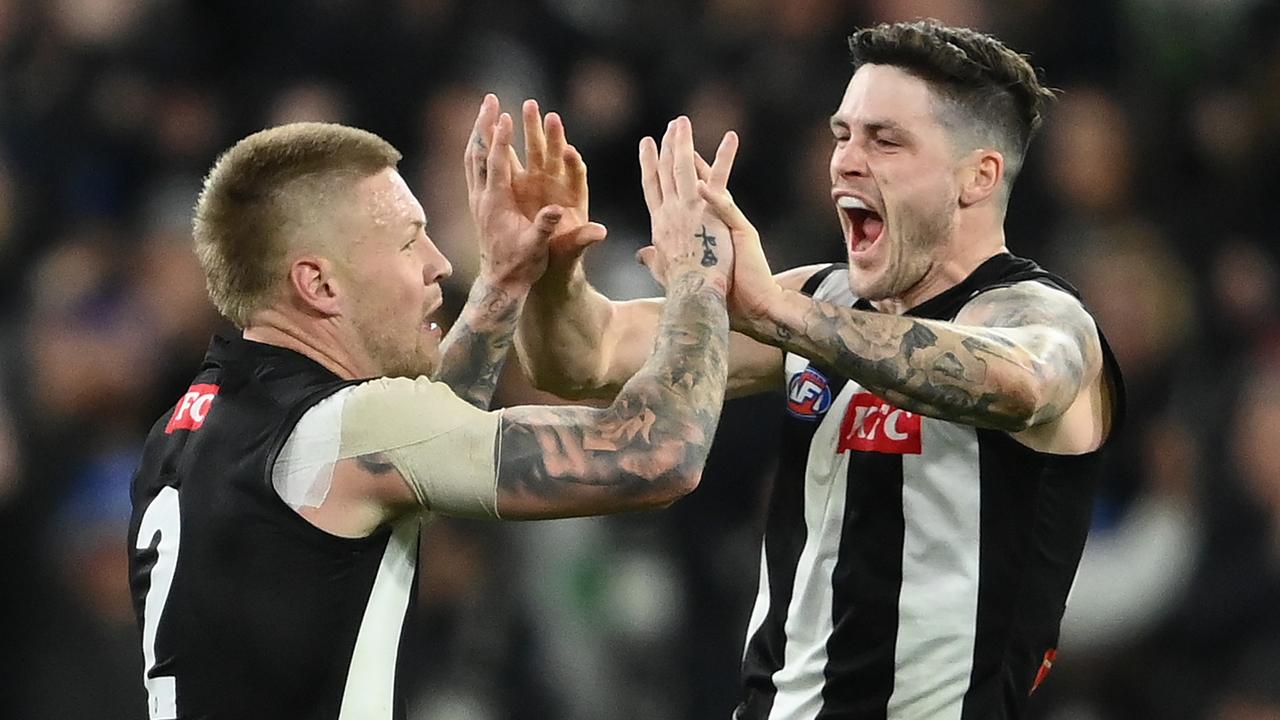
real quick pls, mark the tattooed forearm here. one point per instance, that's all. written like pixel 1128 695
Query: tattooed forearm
pixel 472 354
pixel 1011 360
pixel 645 449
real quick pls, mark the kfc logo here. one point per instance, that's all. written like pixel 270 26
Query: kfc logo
pixel 873 425
pixel 808 395
pixel 192 409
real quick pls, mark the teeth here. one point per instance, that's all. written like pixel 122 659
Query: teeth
pixel 849 202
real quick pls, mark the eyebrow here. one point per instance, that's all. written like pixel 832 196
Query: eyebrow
pixel 878 125
pixel 872 126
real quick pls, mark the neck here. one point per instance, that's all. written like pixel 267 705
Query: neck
pixel 317 340
pixel 952 262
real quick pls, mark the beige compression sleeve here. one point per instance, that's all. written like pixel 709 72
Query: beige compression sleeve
pixel 444 448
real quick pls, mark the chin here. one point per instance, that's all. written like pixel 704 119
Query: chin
pixel 867 285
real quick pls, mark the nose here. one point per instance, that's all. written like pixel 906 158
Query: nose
pixel 848 160
pixel 437 267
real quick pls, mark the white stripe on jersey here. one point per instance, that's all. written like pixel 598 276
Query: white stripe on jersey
pixel 809 623
pixel 761 609
pixel 371 677
pixel 938 601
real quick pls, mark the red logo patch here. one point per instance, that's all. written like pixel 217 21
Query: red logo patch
pixel 873 425
pixel 1045 665
pixel 192 409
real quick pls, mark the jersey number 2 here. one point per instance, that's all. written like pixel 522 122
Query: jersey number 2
pixel 160 519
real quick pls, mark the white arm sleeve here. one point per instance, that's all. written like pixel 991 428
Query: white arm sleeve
pixel 443 448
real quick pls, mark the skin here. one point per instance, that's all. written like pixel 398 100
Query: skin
pixel 1014 359
pixel 1025 359
pixel 659 428
pixel 361 310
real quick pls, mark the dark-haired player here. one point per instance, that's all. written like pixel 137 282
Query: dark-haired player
pixel 947 401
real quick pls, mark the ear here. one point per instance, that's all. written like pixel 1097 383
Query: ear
pixel 315 286
pixel 981 177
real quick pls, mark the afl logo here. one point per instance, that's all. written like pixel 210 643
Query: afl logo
pixel 808 396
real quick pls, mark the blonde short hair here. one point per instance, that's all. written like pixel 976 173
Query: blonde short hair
pixel 266 185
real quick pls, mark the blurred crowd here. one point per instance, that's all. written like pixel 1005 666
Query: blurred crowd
pixel 1151 187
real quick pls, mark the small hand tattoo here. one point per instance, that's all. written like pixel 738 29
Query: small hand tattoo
pixel 484 169
pixel 708 242
pixel 784 333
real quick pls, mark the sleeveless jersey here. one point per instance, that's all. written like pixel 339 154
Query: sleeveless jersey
pixel 246 609
pixel 912 568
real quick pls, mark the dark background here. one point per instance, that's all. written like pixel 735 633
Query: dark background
pixel 1152 187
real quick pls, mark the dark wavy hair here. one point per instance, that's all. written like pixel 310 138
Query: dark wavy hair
pixel 989 91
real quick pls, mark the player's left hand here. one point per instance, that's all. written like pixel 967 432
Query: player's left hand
pixel 555 175
pixel 514 247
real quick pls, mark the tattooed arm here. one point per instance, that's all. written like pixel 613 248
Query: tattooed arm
pixel 577 343
pixel 472 354
pixel 1014 358
pixel 408 444
pixel 648 447
pixel 513 255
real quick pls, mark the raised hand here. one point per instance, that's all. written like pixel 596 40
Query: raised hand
pixel 686 236
pixel 514 246
pixel 555 174
pixel 754 287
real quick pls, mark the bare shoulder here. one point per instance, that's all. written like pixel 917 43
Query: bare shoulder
pixel 1062 339
pixel 1032 304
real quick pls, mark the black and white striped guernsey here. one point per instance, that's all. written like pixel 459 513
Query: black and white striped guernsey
pixel 912 568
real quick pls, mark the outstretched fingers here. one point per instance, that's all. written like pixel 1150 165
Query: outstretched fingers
pixel 683 169
pixel 666 164
pixel 649 175
pixel 556 143
pixel 576 170
pixel 500 154
pixel 718 177
pixel 476 157
pixel 535 141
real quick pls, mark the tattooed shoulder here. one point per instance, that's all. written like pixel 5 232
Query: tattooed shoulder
pixel 1054 329
pixel 1033 303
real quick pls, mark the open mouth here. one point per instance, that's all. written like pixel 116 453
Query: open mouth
pixel 430 325
pixel 866 224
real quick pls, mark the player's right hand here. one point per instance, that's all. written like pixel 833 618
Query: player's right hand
pixel 513 246
pixel 687 236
